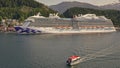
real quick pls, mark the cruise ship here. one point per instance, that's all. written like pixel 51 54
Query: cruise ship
pixel 88 23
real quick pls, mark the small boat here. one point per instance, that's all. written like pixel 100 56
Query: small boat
pixel 73 60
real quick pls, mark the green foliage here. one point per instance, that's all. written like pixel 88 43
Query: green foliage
pixel 114 15
pixel 21 9
pixel 19 3
pixel 0 19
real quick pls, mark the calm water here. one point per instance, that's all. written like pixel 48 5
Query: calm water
pixel 52 51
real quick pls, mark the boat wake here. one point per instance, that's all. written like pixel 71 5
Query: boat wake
pixel 107 51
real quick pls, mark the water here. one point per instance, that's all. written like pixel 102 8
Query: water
pixel 52 50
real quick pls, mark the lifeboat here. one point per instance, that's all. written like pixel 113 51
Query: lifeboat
pixel 73 60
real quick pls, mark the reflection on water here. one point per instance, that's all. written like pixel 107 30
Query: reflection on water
pixel 52 50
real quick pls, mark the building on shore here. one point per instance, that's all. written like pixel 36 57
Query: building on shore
pixel 8 24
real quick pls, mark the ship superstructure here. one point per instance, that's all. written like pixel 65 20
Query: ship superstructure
pixel 88 23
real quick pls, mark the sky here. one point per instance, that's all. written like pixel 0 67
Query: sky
pixel 94 2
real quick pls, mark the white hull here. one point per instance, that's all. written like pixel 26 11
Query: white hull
pixel 37 30
pixel 54 30
pixel 74 63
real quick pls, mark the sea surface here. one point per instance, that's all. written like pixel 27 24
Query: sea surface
pixel 101 50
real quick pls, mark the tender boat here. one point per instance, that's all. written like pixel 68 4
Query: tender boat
pixel 73 60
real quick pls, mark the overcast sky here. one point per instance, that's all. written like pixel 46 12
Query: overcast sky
pixel 94 2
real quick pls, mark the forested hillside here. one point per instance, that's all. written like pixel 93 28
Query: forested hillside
pixel 21 9
pixel 18 3
pixel 114 15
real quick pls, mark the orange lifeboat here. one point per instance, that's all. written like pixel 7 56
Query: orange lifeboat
pixel 73 60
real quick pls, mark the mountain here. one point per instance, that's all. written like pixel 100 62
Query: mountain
pixel 62 7
pixel 115 6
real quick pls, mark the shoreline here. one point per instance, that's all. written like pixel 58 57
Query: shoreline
pixel 7 29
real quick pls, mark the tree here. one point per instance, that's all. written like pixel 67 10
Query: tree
pixel 0 20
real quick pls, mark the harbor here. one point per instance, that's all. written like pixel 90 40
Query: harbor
pixel 59 34
pixel 52 50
